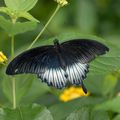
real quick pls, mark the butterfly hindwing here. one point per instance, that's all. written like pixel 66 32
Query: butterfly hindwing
pixel 74 68
pixel 77 73
pixel 54 74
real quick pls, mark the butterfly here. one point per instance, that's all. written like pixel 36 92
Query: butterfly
pixel 59 64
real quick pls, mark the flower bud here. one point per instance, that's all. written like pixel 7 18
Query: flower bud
pixel 62 2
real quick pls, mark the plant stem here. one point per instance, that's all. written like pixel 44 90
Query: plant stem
pixel 14 92
pixel 54 13
pixel 12 47
pixel 13 78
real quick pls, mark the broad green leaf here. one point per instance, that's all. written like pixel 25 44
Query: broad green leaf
pixel 5 10
pixel 110 105
pixel 100 67
pixel 109 84
pixel 86 113
pixel 23 85
pixel 20 5
pixel 28 87
pixel 29 112
pixel 28 16
pixel 37 89
pixel 117 117
pixel 62 110
pixel 17 28
pixel 99 115
pixel 81 114
pixel 102 85
pixel 19 14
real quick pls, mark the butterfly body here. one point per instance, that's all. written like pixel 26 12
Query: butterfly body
pixel 59 54
pixel 58 64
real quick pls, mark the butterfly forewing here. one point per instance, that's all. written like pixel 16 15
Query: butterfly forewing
pixel 84 50
pixel 31 61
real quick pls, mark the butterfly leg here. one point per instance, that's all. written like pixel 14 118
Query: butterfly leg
pixel 83 87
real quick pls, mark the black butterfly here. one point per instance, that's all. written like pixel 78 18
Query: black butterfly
pixel 58 64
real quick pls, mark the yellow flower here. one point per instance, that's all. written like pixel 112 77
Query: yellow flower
pixel 3 58
pixel 72 93
pixel 62 2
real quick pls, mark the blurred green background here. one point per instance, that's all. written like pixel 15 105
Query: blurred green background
pixel 87 17
pixel 97 17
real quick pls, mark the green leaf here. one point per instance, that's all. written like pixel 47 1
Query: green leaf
pixel 5 10
pixel 100 67
pixel 37 89
pixel 109 84
pixel 28 87
pixel 28 16
pixel 81 114
pixel 17 28
pixel 102 85
pixel 86 113
pixel 104 65
pixel 29 112
pixel 19 14
pixel 99 115
pixel 23 85
pixel 20 5
pixel 62 110
pixel 110 105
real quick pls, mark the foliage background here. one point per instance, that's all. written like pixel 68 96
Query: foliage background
pixel 87 17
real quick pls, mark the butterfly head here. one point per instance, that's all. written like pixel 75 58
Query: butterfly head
pixel 56 42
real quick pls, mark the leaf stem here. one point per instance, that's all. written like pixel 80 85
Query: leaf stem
pixel 13 78
pixel 44 28
pixel 12 47
pixel 14 92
